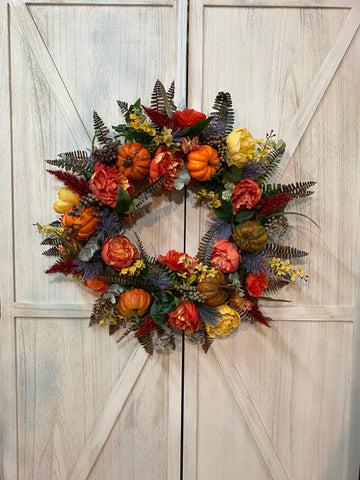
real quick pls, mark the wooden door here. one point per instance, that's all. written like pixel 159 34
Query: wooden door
pixel 75 404
pixel 282 403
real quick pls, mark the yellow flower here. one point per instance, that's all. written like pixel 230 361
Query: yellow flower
pixel 284 268
pixel 230 320
pixel 67 198
pixel 167 136
pixel 241 146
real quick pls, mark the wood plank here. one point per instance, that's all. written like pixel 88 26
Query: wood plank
pixel 249 412
pixel 111 412
pixel 51 74
pixel 8 399
pixel 283 3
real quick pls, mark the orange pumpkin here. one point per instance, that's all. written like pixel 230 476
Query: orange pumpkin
pixel 212 289
pixel 134 302
pixel 250 236
pixel 133 160
pixel 83 226
pixel 203 162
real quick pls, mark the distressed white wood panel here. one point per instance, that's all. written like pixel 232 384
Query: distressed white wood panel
pixel 74 413
pixel 270 59
pixel 117 54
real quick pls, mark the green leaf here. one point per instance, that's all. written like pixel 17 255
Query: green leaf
pixel 232 174
pixel 261 220
pixel 196 129
pixel 110 271
pixel 163 305
pixel 225 212
pixel 123 202
pixel 244 215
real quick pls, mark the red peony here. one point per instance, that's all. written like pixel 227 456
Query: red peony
pixel 106 182
pixel 225 256
pixel 255 284
pixel 119 252
pixel 246 194
pixel 188 117
pixel 96 284
pixel 180 262
pixel 185 317
pixel 166 161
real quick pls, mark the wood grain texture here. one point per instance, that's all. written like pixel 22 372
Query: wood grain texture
pixel 279 63
pixel 64 67
pixel 8 452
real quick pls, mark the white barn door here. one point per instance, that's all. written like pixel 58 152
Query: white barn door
pixel 74 403
pixel 281 403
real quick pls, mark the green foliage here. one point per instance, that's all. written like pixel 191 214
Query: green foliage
pixel 123 202
pixel 272 160
pixel 244 215
pixel 164 304
pixel 196 129
pixel 225 212
pixel 232 174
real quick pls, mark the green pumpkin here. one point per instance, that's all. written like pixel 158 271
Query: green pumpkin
pixel 212 289
pixel 250 236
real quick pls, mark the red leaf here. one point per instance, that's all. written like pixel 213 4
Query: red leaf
pixel 272 203
pixel 162 120
pixel 63 266
pixel 257 315
pixel 76 184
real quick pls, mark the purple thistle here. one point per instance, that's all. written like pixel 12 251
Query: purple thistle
pixel 159 280
pixel 91 269
pixel 109 226
pixel 253 170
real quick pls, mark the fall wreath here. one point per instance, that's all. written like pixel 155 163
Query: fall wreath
pixel 242 257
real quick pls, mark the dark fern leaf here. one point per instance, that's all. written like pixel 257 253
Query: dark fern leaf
pixel 161 100
pixel 299 189
pixel 124 108
pixel 223 114
pixel 53 251
pixel 150 189
pixel 77 162
pixel 101 130
pixel 125 281
pixel 55 224
pixel 124 335
pixel 113 327
pixel 275 283
pixel 284 251
pixel 147 342
pixel 170 95
pixel 51 240
pixel 206 245
pixel 143 253
pixel 207 342
pixel 201 337
pixel 272 161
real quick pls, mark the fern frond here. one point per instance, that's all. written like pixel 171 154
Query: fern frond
pixel 56 224
pixel 272 161
pixel 147 342
pixel 206 245
pixel 143 253
pixel 101 130
pixel 299 189
pixel 223 114
pixel 53 251
pixel 113 327
pixel 284 251
pixel 161 101
pixel 124 281
pixel 150 189
pixel 77 162
pixel 275 283
pixel 51 241
pixel 124 335
pixel 124 107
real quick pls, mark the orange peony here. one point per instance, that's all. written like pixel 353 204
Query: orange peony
pixel 166 161
pixel 225 256
pixel 188 117
pixel 106 182
pixel 96 284
pixel 246 194
pixel 119 252
pixel 185 317
pixel 256 283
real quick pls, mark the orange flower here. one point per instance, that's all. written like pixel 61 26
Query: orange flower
pixel 119 252
pixel 96 284
pixel 185 317
pixel 255 284
pixel 106 182
pixel 179 262
pixel 225 256
pixel 246 194
pixel 188 117
pixel 166 161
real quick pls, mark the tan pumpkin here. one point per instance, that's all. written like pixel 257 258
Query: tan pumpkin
pixel 203 162
pixel 133 160
pixel 213 289
pixel 250 236
pixel 80 227
pixel 134 302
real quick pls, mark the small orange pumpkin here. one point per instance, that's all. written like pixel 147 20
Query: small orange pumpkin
pixel 203 162
pixel 250 236
pixel 133 160
pixel 83 226
pixel 212 289
pixel 134 302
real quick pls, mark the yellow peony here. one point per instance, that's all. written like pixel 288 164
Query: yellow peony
pixel 230 320
pixel 241 147
pixel 67 198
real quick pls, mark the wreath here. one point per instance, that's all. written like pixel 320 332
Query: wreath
pixel 242 257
